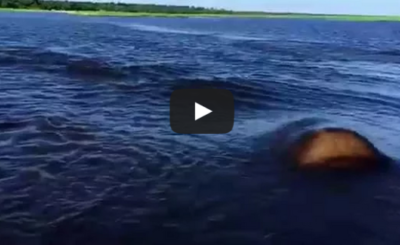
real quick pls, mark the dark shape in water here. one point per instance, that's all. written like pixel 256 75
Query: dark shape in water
pixel 335 149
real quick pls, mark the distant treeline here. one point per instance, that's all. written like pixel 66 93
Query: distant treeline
pixel 111 6
pixel 115 6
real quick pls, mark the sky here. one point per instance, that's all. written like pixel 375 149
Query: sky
pixel 368 7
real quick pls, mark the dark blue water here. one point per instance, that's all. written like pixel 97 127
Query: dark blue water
pixel 87 155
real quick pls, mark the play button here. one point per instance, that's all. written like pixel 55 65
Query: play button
pixel 200 111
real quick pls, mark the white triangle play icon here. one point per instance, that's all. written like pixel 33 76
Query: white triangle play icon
pixel 200 111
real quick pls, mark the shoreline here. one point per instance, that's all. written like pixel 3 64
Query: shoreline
pixel 359 18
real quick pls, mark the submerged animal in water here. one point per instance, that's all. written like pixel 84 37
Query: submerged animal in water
pixel 335 148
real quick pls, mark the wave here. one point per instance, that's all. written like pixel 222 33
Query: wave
pixel 50 61
pixel 159 29
pixel 393 52
pixel 260 94
pixel 244 37
pixel 80 66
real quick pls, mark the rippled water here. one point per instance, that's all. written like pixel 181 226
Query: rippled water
pixel 87 155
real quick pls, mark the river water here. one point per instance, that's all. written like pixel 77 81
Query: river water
pixel 87 155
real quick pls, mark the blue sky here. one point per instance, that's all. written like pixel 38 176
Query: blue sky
pixel 378 7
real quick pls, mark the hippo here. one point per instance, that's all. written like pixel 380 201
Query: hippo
pixel 335 149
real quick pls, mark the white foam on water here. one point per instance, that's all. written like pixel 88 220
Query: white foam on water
pixel 152 28
pixel 244 37
pixel 161 29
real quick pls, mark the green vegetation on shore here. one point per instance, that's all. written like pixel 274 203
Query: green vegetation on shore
pixel 245 15
pixel 146 10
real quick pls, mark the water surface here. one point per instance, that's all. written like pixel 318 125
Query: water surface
pixel 87 155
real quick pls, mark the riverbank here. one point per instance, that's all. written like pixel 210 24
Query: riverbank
pixel 234 15
pixel 239 15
